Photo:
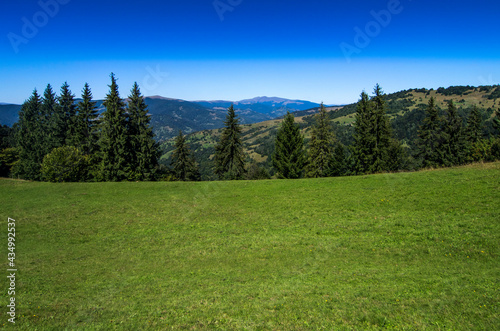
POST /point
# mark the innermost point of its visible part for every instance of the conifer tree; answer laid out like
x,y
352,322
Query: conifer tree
x,y
453,138
29,140
289,156
474,129
67,118
430,139
363,143
496,121
374,146
144,151
320,150
86,123
114,164
49,123
229,157
338,165
183,163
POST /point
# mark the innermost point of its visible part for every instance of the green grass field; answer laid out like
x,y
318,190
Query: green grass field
x,y
409,251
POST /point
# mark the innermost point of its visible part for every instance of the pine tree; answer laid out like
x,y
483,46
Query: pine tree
x,y
363,144
67,116
320,150
183,163
229,157
496,121
144,151
113,138
49,123
474,129
86,124
430,140
289,156
374,145
338,165
28,139
453,138
382,132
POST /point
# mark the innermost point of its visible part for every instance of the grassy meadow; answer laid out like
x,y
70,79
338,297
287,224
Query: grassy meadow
x,y
408,251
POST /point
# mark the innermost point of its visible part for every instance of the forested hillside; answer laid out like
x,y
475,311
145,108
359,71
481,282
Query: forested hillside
x,y
406,110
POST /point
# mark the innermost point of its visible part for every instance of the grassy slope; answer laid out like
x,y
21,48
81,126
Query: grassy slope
x,y
412,250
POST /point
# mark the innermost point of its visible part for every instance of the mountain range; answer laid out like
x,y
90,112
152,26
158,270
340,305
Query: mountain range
x,y
169,115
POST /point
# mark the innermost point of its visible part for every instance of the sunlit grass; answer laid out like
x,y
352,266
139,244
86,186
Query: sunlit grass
x,y
410,250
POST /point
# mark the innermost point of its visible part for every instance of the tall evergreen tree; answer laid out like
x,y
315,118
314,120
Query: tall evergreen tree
x,y
453,137
338,165
474,129
363,145
183,163
86,123
113,137
28,137
321,146
48,120
374,145
430,139
229,157
289,156
144,151
68,122
496,121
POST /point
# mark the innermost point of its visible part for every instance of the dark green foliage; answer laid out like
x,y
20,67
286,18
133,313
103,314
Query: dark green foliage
x,y
454,90
229,157
321,146
496,121
495,94
339,163
474,129
8,159
373,141
143,151
183,164
114,165
64,164
51,135
67,118
257,172
5,135
453,137
30,138
430,140
86,124
289,156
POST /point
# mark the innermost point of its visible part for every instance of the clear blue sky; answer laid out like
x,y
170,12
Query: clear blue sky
x,y
191,50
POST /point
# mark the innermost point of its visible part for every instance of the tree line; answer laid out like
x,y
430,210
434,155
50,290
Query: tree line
x,y
58,139
443,141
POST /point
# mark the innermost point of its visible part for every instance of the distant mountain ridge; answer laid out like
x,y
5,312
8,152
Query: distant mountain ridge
x,y
169,115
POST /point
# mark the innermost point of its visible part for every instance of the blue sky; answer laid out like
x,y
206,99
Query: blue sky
x,y
316,50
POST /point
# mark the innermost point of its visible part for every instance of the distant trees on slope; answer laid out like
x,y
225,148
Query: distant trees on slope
x,y
57,139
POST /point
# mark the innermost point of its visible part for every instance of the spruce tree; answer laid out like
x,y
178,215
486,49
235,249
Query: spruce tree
x,y
320,150
382,134
453,137
50,125
338,164
289,156
86,124
114,165
143,149
183,163
474,129
430,138
363,140
29,139
67,117
229,157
